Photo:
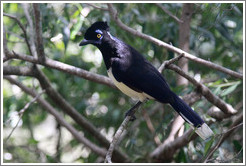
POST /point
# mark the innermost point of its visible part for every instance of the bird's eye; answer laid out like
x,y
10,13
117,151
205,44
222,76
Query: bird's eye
x,y
99,36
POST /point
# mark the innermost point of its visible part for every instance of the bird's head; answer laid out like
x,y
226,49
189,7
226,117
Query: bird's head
x,y
95,33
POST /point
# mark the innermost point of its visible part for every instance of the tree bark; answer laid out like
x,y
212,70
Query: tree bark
x,y
184,39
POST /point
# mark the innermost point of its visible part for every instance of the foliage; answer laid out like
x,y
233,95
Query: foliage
x,y
216,35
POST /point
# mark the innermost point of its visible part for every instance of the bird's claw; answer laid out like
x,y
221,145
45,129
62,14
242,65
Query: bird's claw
x,y
129,113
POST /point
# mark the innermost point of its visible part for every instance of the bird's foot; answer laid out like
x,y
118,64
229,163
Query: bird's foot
x,y
131,114
132,111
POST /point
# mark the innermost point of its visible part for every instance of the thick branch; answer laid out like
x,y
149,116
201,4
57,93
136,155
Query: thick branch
x,y
5,47
70,110
64,105
160,43
65,68
226,108
38,29
167,149
21,71
184,40
59,118
176,125
30,30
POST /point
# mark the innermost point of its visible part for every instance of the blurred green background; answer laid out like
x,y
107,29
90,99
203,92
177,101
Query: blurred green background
x,y
216,35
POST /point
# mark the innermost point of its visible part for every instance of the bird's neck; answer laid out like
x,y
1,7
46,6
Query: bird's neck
x,y
109,51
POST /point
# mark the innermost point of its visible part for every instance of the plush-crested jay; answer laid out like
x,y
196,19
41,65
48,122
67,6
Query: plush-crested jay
x,y
136,77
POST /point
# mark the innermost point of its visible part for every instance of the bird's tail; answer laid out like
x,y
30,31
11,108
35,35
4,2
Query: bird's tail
x,y
191,117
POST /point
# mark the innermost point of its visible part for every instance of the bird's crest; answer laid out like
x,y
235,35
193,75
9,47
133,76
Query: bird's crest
x,y
99,25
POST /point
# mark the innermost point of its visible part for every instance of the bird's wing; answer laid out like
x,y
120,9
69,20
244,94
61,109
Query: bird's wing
x,y
141,76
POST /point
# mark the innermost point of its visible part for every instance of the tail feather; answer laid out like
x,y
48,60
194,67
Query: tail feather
x,y
204,131
191,117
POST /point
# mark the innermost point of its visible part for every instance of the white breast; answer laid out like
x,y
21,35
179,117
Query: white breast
x,y
128,91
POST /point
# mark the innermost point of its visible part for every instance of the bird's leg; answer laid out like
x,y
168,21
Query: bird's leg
x,y
132,111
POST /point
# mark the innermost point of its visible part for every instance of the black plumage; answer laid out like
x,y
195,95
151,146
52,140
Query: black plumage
x,y
137,77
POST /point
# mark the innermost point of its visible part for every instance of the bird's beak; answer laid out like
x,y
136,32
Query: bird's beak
x,y
84,42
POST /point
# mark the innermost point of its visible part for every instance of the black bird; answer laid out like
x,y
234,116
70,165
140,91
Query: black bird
x,y
136,77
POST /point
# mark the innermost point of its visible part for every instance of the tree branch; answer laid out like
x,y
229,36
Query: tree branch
x,y
21,71
31,33
176,126
168,62
219,115
70,110
167,149
226,108
22,28
114,16
216,113
119,156
22,111
5,47
98,150
238,122
64,105
119,132
184,40
151,127
96,7
38,29
65,68
169,13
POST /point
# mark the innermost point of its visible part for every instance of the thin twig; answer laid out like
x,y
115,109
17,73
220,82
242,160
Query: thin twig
x,y
151,127
232,128
77,135
119,132
169,13
151,111
96,7
227,160
223,136
168,62
22,111
58,144
114,16
115,139
22,28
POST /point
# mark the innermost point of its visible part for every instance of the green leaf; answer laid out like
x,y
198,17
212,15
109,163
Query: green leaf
x,y
33,141
181,157
237,145
217,90
208,145
76,28
229,90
